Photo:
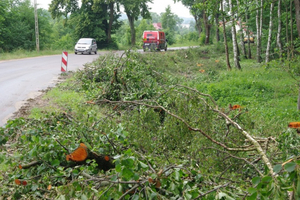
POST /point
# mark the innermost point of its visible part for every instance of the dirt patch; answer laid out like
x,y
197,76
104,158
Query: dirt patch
x,y
31,103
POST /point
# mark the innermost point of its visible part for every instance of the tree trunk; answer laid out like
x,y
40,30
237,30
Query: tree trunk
x,y
217,23
217,28
248,35
198,24
258,32
279,30
235,46
286,23
292,30
207,28
111,18
270,34
225,38
207,33
132,29
297,9
242,34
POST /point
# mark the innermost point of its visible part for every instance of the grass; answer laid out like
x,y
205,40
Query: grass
x,y
18,54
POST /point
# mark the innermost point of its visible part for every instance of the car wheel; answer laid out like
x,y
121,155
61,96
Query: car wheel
x,y
166,49
75,52
96,52
90,52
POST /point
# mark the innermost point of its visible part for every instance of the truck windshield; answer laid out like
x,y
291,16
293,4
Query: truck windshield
x,y
151,36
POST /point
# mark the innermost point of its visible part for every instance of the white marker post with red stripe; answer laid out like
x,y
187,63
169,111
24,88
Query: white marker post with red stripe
x,y
64,61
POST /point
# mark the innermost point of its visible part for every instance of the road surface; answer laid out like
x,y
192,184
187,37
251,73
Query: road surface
x,y
23,79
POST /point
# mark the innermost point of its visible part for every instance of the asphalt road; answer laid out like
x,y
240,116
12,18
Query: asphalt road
x,y
23,79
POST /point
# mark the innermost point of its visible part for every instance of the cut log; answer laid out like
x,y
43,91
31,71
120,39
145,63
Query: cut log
x,y
82,153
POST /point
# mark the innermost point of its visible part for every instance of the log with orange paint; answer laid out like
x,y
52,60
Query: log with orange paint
x,y
82,153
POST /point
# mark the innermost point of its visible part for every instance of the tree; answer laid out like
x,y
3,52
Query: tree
x,y
3,13
217,14
168,20
259,11
112,14
297,8
208,8
240,23
279,29
225,36
155,17
234,40
270,33
18,19
196,12
133,9
86,26
94,18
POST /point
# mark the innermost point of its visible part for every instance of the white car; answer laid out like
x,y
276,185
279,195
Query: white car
x,y
86,45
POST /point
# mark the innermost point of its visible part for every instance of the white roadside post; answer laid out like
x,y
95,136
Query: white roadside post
x,y
64,61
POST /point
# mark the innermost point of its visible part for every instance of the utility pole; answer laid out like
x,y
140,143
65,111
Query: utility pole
x,y
36,27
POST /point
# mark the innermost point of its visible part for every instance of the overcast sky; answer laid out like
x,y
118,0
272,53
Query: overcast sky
x,y
157,6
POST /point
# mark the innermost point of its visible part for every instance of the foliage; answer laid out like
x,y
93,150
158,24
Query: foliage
x,y
19,18
133,10
168,20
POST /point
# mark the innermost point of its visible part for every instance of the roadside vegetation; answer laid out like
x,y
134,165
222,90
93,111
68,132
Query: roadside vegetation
x,y
217,121
159,126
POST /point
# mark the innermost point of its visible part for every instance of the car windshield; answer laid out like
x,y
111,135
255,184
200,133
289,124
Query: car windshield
x,y
84,41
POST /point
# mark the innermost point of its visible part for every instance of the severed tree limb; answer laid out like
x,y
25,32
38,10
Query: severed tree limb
x,y
215,109
179,118
245,133
133,188
236,157
256,144
31,164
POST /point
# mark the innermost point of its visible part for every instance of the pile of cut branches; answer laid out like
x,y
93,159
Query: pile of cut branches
x,y
140,135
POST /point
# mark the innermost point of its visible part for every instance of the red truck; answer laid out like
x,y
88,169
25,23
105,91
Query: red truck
x,y
154,40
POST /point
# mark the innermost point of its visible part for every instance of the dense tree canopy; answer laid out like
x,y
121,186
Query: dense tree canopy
x,y
17,26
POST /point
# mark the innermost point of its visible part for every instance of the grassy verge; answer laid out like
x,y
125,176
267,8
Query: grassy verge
x,y
25,54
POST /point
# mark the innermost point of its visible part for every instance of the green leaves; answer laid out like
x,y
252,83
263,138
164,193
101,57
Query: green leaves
x,y
277,168
290,167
